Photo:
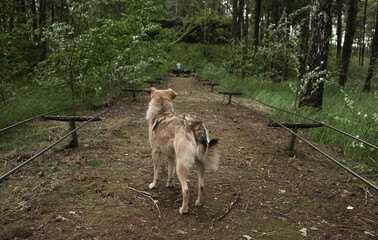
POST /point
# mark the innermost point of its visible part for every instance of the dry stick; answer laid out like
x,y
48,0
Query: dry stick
x,y
366,198
197,215
229,208
146,194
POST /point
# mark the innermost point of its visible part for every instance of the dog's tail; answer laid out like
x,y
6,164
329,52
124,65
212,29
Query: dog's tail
x,y
211,159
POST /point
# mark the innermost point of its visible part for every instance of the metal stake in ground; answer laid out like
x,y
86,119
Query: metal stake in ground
x,y
230,94
74,142
294,127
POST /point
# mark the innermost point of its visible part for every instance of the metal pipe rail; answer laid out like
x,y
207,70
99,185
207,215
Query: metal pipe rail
x,y
325,124
312,145
41,115
55,143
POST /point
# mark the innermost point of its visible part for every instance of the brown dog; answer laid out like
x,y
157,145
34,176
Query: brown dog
x,y
183,138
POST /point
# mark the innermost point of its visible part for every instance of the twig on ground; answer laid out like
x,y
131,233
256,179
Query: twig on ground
x,y
147,194
139,191
229,208
246,207
366,198
197,215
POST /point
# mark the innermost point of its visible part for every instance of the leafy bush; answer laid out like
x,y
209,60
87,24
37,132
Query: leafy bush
x,y
102,55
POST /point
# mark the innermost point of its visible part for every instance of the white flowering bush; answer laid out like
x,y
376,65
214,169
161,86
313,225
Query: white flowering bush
x,y
102,55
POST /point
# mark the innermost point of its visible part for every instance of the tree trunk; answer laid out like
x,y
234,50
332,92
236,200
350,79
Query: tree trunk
x,y
42,23
321,22
339,27
348,40
23,17
245,37
277,64
373,56
240,20
256,25
363,34
12,11
234,25
117,10
52,12
305,29
286,38
268,19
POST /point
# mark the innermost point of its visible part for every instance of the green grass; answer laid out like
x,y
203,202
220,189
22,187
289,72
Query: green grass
x,y
23,106
52,170
96,161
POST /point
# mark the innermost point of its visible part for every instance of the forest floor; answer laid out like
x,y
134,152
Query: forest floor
x,y
93,192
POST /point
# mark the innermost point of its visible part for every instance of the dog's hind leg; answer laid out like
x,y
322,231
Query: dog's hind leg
x,y
182,176
201,182
156,160
171,171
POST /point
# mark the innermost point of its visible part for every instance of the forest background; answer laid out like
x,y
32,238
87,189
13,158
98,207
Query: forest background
x,y
316,58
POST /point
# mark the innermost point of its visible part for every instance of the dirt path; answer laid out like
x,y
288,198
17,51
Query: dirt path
x,y
84,194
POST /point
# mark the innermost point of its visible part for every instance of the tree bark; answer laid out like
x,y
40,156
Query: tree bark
x,y
339,27
42,23
240,20
245,37
348,40
277,64
286,38
321,24
117,11
234,25
373,56
11,20
305,29
364,33
52,12
256,26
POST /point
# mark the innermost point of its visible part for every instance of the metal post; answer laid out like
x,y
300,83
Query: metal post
x,y
134,96
229,99
74,142
292,139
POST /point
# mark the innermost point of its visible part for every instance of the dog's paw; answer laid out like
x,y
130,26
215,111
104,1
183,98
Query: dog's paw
x,y
169,185
153,185
198,203
183,211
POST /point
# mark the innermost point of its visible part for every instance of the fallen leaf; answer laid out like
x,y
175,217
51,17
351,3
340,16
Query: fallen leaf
x,y
303,232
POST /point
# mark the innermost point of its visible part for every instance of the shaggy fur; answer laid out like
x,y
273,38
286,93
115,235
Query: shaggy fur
x,y
183,138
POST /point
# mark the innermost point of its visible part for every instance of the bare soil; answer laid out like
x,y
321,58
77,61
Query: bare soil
x,y
87,193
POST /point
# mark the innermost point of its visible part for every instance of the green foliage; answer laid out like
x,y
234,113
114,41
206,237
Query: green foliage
x,y
16,59
90,57
101,55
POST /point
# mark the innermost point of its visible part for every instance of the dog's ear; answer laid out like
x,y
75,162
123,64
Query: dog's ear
x,y
172,93
150,90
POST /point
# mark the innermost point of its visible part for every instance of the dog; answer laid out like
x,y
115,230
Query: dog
x,y
185,141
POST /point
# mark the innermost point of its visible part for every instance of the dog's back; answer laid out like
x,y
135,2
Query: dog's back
x,y
186,135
